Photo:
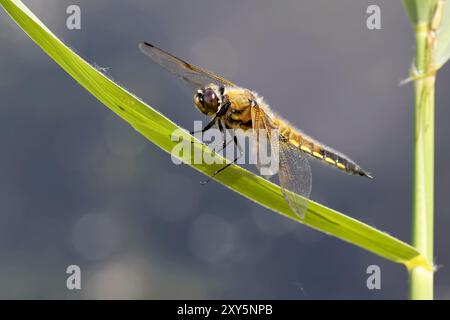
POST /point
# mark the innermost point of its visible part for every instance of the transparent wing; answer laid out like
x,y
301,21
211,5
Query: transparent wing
x,y
192,75
294,171
295,177
263,145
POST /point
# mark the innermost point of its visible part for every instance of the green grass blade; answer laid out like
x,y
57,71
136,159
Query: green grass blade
x,y
443,37
158,129
419,11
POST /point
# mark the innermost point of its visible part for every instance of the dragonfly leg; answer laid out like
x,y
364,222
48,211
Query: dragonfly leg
x,y
220,113
224,136
223,109
207,127
228,164
225,142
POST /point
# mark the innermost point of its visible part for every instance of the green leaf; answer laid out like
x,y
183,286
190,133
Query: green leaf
x,y
158,129
443,37
419,11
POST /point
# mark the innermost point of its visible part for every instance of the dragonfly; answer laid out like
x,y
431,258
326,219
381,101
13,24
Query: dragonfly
x,y
233,107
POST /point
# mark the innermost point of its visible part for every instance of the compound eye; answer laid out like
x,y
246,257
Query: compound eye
x,y
209,97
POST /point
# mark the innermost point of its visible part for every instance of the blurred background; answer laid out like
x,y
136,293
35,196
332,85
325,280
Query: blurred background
x,y
79,186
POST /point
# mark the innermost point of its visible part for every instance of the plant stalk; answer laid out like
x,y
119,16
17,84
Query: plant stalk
x,y
421,280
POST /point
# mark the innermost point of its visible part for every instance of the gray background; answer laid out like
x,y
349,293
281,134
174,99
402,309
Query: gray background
x,y
78,186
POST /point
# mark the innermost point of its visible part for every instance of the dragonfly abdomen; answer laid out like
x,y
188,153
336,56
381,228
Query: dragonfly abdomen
x,y
320,152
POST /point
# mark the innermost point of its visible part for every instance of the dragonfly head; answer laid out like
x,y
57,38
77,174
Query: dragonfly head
x,y
207,100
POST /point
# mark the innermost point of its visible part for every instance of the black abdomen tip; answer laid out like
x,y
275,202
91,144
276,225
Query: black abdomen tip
x,y
365,174
359,171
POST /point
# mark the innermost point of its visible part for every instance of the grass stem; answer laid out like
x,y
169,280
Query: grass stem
x,y
421,280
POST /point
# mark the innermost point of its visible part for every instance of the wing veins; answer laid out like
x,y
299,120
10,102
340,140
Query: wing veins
x,y
189,73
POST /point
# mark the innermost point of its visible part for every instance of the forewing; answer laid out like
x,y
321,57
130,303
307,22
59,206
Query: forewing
x,y
192,75
294,171
262,143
